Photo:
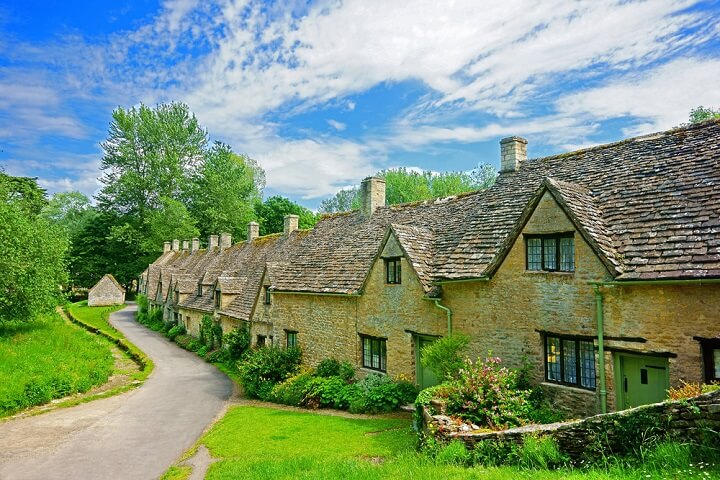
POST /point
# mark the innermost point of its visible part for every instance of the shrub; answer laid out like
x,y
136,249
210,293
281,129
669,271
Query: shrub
x,y
210,332
142,303
237,342
292,391
263,368
379,393
217,356
486,394
202,351
175,331
445,356
326,392
687,390
329,367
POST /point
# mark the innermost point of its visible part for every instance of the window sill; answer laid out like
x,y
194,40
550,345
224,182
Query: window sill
x,y
372,370
548,272
569,388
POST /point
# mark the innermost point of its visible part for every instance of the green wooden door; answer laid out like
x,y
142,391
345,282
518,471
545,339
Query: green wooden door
x,y
425,376
643,380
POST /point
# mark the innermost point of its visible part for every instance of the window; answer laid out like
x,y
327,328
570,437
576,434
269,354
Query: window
x,y
551,253
374,353
260,342
291,338
199,290
177,296
266,293
711,360
570,361
218,297
392,271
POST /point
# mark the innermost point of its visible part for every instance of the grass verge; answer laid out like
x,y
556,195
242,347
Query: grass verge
x,y
268,443
95,319
48,359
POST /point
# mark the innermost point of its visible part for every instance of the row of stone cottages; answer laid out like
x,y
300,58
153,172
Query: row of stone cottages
x,y
600,267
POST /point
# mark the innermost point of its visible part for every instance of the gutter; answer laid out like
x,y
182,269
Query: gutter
x,y
658,283
444,308
462,280
327,294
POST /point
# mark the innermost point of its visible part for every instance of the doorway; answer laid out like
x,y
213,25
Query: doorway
x,y
641,379
425,377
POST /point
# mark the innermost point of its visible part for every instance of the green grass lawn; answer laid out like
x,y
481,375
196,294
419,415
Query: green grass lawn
x,y
48,358
267,443
96,316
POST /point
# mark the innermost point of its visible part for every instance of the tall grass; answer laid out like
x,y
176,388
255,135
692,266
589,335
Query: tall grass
x,y
46,359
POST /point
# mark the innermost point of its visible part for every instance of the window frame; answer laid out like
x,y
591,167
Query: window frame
x,y
558,256
291,334
396,263
578,340
266,295
217,297
260,337
381,343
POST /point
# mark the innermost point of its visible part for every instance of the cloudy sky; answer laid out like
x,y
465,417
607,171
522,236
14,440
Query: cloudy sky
x,y
325,93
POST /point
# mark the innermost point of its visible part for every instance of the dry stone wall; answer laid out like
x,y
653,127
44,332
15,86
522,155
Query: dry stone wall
x,y
692,420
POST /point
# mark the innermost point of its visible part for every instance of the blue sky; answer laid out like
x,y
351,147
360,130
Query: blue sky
x,y
324,93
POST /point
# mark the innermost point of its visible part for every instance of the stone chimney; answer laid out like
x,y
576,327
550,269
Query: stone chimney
x,y
291,223
186,245
176,245
195,245
212,241
513,151
225,241
166,247
253,231
372,195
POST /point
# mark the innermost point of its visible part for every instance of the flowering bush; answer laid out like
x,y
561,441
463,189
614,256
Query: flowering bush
x,y
486,394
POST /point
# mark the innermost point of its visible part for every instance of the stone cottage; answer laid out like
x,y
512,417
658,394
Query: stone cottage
x,y
107,291
600,268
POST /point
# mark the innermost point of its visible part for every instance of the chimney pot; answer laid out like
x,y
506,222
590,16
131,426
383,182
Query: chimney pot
x,y
513,151
195,245
253,231
166,247
176,245
290,223
212,241
186,245
225,240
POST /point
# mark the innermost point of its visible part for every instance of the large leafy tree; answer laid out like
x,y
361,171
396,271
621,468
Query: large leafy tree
x,y
69,210
271,214
32,261
225,189
162,180
403,185
150,153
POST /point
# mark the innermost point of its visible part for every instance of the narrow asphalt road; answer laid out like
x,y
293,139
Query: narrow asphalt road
x,y
136,435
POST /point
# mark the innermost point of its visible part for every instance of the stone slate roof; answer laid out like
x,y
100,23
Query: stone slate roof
x,y
649,206
109,277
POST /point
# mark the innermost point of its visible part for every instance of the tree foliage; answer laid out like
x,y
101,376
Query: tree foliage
x,y
403,185
33,254
271,214
150,154
700,114
71,211
226,188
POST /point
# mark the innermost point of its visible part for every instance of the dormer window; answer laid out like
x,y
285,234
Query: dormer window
x,y
198,292
392,271
177,296
217,299
550,253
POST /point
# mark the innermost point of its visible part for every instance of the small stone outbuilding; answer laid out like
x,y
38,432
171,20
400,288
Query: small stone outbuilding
x,y
106,292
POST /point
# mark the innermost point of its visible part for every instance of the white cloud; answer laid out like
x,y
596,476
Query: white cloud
x,y
339,126
313,168
662,97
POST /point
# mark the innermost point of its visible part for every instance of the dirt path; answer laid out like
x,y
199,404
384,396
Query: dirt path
x,y
136,435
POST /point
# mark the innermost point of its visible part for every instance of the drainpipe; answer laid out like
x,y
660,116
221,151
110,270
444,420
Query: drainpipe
x,y
601,346
447,310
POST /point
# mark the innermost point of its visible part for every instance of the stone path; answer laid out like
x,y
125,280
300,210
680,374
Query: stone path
x,y
136,435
